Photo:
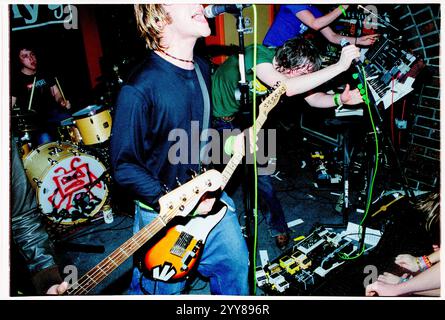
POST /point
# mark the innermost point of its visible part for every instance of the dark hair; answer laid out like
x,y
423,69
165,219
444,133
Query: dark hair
x,y
297,52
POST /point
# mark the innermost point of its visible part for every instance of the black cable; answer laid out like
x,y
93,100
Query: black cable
x,y
76,236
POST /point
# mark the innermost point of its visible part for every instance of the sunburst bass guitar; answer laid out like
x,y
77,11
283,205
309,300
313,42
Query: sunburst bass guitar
x,y
177,203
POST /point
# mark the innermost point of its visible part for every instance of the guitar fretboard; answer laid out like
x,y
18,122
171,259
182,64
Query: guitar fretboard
x,y
237,157
93,277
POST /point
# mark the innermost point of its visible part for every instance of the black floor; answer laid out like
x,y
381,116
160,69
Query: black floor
x,y
301,199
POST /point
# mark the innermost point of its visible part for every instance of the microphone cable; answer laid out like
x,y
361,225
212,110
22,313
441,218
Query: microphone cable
x,y
255,169
342,255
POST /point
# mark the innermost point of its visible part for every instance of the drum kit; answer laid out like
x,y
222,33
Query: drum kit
x,y
71,175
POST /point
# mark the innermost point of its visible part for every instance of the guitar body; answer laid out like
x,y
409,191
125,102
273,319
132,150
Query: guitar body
x,y
174,256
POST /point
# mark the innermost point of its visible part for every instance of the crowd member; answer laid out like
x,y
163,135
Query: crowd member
x,y
423,273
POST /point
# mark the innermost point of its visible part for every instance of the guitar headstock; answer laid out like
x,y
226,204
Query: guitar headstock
x,y
182,200
272,99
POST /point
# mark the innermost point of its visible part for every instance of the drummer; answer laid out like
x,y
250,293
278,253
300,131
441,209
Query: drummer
x,y
34,94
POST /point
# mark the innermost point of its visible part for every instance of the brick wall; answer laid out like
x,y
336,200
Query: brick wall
x,y
420,154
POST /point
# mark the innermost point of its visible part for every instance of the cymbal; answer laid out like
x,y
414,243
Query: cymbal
x,y
26,128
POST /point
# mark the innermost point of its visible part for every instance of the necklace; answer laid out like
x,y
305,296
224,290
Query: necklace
x,y
183,60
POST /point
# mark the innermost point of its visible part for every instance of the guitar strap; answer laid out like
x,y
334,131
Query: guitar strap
x,y
205,117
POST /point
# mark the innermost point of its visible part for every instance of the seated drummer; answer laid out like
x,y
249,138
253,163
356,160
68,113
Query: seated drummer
x,y
33,95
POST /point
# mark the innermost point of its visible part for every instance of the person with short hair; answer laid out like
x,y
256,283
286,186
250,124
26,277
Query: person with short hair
x,y
33,94
164,94
296,64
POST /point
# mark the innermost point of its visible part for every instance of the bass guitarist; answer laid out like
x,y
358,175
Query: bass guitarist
x,y
164,95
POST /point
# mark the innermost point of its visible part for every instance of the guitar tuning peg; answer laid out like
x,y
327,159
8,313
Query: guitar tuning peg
x,y
165,189
178,182
191,173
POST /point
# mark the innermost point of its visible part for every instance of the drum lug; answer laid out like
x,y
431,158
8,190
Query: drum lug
x,y
37,182
52,162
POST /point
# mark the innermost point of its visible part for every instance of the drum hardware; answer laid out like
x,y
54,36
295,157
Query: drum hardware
x,y
68,131
37,182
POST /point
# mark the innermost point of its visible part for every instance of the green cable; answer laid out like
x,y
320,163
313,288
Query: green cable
x,y
255,41
371,186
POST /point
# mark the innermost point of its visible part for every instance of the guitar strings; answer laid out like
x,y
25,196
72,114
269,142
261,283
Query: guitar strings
x,y
115,258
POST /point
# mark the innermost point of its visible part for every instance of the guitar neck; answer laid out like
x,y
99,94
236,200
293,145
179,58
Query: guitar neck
x,y
237,158
93,277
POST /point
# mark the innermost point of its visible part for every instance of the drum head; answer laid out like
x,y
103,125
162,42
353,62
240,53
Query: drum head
x,y
86,112
72,190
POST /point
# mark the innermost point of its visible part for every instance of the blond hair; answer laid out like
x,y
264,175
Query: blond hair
x,y
150,19
430,206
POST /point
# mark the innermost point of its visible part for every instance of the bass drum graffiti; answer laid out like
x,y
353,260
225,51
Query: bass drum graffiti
x,y
70,184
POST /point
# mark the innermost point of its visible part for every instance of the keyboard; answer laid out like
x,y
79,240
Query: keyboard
x,y
386,67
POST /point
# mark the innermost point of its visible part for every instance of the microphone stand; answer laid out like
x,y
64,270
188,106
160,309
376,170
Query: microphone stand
x,y
248,170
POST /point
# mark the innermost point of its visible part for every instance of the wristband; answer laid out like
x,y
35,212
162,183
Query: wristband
x,y
337,100
421,263
228,145
342,10
427,262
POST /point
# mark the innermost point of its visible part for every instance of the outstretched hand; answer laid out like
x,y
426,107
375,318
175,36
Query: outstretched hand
x,y
351,97
367,40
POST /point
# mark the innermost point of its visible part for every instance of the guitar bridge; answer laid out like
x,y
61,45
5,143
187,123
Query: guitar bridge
x,y
181,244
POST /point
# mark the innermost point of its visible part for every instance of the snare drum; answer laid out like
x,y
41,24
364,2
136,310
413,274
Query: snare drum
x,y
68,131
69,183
94,124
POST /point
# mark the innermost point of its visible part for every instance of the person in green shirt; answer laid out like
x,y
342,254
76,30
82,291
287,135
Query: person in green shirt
x,y
297,64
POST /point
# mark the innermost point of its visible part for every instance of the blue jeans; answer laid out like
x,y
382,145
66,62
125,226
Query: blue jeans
x,y
275,214
225,258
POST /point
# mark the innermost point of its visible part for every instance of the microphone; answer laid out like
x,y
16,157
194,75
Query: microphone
x,y
213,10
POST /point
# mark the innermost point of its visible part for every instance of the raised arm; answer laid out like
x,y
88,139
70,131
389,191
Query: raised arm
x,y
336,38
319,23
297,85
324,100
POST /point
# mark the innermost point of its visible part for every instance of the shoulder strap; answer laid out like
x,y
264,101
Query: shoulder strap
x,y
206,113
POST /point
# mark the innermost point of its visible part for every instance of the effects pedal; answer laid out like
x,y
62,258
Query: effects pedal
x,y
311,242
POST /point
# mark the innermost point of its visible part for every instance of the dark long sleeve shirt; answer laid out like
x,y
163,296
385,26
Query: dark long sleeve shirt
x,y
159,100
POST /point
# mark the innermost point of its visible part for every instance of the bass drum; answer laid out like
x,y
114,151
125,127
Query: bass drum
x,y
69,183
